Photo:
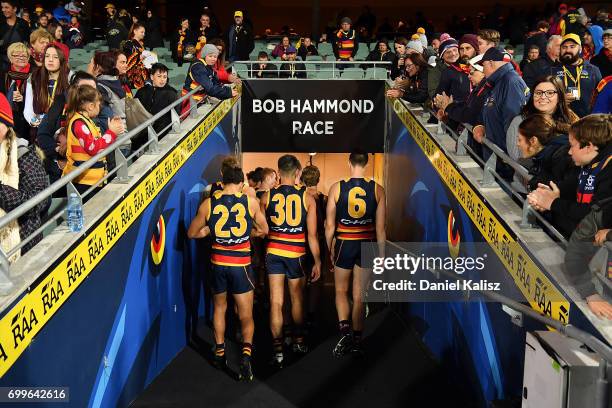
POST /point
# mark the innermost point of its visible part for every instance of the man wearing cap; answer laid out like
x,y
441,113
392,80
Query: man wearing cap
x,y
202,73
603,60
579,77
116,32
13,29
291,68
508,95
345,42
454,81
240,39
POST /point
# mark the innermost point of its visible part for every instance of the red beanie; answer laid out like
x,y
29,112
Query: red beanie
x,y
6,112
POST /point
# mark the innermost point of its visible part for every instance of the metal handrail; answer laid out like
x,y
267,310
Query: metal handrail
x,y
322,66
527,209
595,344
65,180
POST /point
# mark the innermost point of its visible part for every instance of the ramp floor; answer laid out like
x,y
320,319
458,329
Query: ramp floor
x,y
396,371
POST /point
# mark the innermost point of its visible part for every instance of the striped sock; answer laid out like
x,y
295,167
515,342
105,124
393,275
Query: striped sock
x,y
220,350
247,349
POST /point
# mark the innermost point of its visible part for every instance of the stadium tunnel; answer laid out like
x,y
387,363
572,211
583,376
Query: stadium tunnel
x,y
117,313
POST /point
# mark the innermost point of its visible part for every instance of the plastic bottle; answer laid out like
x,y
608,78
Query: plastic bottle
x,y
74,213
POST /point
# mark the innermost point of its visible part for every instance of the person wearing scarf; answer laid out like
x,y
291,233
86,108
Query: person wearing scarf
x,y
133,48
39,40
182,39
592,42
603,60
13,84
22,176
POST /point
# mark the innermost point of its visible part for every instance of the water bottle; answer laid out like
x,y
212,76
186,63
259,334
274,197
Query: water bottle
x,y
74,213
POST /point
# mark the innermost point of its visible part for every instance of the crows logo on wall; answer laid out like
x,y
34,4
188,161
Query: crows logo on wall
x,y
158,241
454,235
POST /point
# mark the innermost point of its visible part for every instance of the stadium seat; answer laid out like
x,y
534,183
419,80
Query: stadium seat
x,y
314,58
327,74
242,70
325,49
376,73
352,73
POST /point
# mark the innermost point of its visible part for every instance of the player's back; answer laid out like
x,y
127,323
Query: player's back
x,y
230,220
286,215
356,209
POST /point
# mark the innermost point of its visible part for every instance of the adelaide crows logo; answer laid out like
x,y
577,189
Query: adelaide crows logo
x,y
158,241
454,236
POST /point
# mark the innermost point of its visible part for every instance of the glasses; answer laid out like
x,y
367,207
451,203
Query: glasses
x,y
19,56
544,94
408,66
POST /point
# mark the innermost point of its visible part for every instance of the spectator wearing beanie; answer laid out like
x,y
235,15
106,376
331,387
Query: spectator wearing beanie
x,y
345,42
603,60
202,73
22,176
468,47
422,37
415,45
454,81
433,79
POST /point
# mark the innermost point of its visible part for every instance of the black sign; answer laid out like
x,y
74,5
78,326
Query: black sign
x,y
306,116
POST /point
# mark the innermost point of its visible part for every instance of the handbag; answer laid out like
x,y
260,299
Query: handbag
x,y
135,113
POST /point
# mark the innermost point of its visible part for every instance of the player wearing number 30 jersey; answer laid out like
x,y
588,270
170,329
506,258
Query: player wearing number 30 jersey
x,y
229,217
355,215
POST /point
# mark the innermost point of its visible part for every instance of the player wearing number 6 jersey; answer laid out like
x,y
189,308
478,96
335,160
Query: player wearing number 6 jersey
x,y
355,215
289,210
229,216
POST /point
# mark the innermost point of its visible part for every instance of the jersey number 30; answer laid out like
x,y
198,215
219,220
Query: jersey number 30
x,y
291,212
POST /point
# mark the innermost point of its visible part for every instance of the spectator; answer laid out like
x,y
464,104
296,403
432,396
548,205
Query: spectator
x,y
25,16
39,40
603,96
556,21
291,68
590,142
202,73
241,40
13,84
38,13
507,97
207,29
42,87
543,65
470,110
51,135
116,32
21,178
57,32
468,48
182,42
592,42
381,52
532,55
103,66
454,81
264,69
125,18
224,76
539,141
602,19
603,60
422,37
42,22
13,29
413,86
579,77
122,73
155,97
133,48
345,41
401,51
280,51
307,48
537,38
414,45
548,99
572,22
84,139
153,29
487,39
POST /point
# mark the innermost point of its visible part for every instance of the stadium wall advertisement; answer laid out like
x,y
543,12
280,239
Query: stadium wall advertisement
x,y
433,202
312,116
126,291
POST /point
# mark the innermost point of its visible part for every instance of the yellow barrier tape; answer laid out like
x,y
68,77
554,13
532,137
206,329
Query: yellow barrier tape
x,y
21,324
535,286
